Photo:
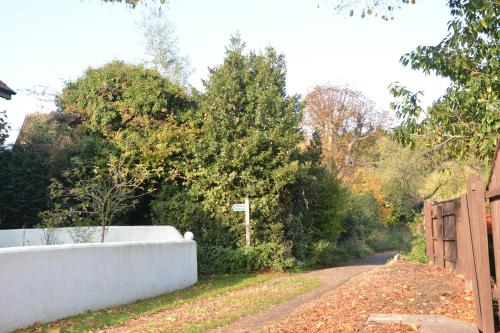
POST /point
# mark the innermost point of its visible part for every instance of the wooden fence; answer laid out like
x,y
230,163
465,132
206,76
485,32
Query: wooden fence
x,y
457,239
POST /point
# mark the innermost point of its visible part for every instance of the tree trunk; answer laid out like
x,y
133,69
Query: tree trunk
x,y
103,233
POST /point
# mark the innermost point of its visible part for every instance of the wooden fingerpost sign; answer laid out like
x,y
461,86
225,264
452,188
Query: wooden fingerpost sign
x,y
245,207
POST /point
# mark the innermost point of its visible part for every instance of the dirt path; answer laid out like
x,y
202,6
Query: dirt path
x,y
331,278
398,297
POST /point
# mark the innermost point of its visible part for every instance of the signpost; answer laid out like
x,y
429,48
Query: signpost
x,y
239,207
245,207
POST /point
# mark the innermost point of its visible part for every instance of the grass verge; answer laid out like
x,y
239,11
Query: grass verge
x,y
212,302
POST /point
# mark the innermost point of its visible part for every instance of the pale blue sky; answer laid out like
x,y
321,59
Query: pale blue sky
x,y
47,42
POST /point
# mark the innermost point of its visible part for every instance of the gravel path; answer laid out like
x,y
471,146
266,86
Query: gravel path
x,y
331,278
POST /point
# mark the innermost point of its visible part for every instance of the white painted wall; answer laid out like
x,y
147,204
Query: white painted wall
x,y
29,237
49,282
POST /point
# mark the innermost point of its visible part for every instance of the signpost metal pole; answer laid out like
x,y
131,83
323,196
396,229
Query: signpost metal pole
x,y
247,221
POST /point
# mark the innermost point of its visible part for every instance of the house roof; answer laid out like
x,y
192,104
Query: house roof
x,y
31,121
5,90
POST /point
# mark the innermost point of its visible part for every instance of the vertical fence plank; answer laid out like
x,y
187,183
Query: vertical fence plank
x,y
495,229
470,272
460,246
479,238
465,245
429,243
495,226
438,223
494,186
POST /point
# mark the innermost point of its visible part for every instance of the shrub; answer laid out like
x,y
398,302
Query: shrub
x,y
268,256
323,253
353,249
417,252
326,254
385,239
223,260
417,249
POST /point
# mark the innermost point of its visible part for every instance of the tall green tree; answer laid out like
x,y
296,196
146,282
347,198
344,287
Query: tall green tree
x,y
249,147
25,171
465,121
318,202
25,174
44,149
250,131
133,113
4,128
143,114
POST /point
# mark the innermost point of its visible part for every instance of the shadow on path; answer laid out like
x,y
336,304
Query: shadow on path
x,y
330,278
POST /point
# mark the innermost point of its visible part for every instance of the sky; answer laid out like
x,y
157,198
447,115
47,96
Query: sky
x,y
47,43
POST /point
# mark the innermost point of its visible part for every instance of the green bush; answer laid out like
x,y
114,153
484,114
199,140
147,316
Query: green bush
x,y
385,239
417,252
326,254
269,256
417,249
265,256
353,249
378,240
323,253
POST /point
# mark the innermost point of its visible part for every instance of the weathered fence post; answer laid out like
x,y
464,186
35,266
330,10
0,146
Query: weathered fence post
x,y
493,194
438,235
429,242
464,242
479,239
471,272
495,230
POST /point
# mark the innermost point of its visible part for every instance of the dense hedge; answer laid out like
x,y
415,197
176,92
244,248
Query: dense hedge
x,y
221,260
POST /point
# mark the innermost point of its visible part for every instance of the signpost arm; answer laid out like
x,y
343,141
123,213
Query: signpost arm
x,y
247,221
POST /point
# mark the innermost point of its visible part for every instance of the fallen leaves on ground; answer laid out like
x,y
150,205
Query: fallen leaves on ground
x,y
199,315
402,287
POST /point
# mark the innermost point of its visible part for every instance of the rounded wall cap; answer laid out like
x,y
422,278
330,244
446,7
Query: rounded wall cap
x,y
189,235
